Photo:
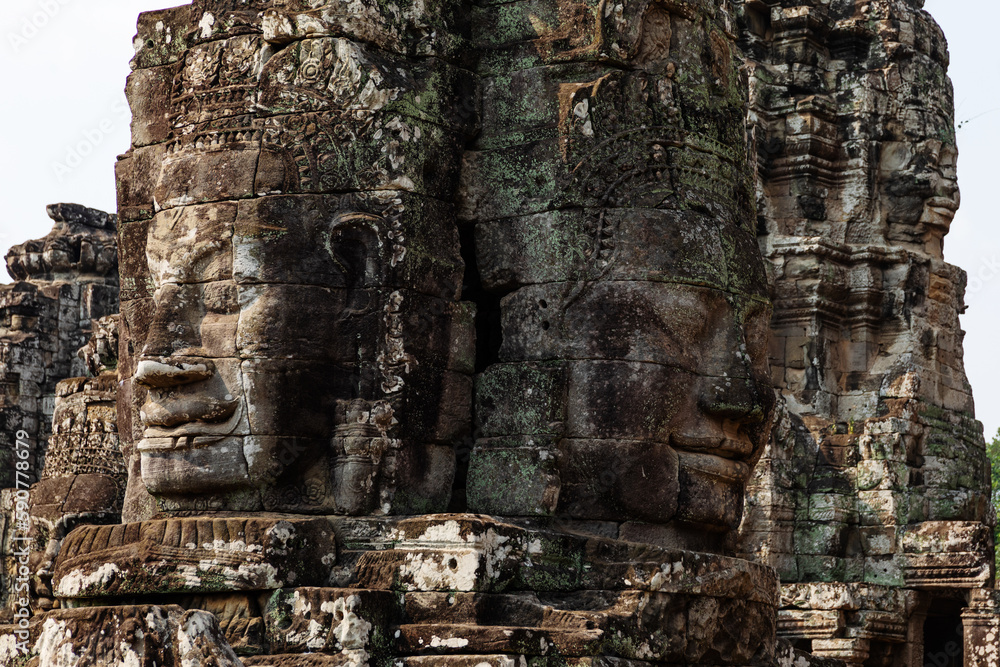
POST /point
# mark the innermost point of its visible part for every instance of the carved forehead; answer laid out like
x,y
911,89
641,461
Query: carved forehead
x,y
664,246
191,244
700,330
373,240
378,239
257,242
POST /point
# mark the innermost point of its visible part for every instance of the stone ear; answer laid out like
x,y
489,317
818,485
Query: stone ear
x,y
360,247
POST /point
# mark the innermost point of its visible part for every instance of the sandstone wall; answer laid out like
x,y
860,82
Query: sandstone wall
x,y
872,499
62,283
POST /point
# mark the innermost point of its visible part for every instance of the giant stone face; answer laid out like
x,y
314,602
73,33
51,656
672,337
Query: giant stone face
x,y
303,345
243,375
297,343
614,217
272,327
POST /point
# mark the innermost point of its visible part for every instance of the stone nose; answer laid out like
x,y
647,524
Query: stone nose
x,y
160,374
946,193
737,399
175,327
735,393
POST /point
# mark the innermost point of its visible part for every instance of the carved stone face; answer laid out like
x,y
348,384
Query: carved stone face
x,y
271,358
660,395
303,340
918,184
301,347
632,379
243,370
689,386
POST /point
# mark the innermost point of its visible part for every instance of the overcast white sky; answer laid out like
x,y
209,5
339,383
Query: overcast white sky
x,y
65,63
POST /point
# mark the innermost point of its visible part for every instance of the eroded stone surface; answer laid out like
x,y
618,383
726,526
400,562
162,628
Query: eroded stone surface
x,y
164,636
84,478
63,283
445,585
871,498
296,340
613,213
193,555
463,584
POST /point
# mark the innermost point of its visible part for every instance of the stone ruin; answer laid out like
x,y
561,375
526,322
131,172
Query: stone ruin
x,y
871,500
61,284
83,480
461,336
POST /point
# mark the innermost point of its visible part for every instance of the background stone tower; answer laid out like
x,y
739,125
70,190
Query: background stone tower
x,y
872,498
62,283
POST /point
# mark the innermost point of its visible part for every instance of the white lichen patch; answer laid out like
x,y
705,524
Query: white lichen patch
x,y
191,575
264,573
666,578
280,534
435,570
497,551
75,583
157,622
449,532
352,631
237,546
315,635
450,642
442,558
129,657
55,645
206,23
8,649
355,658
276,26
199,639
